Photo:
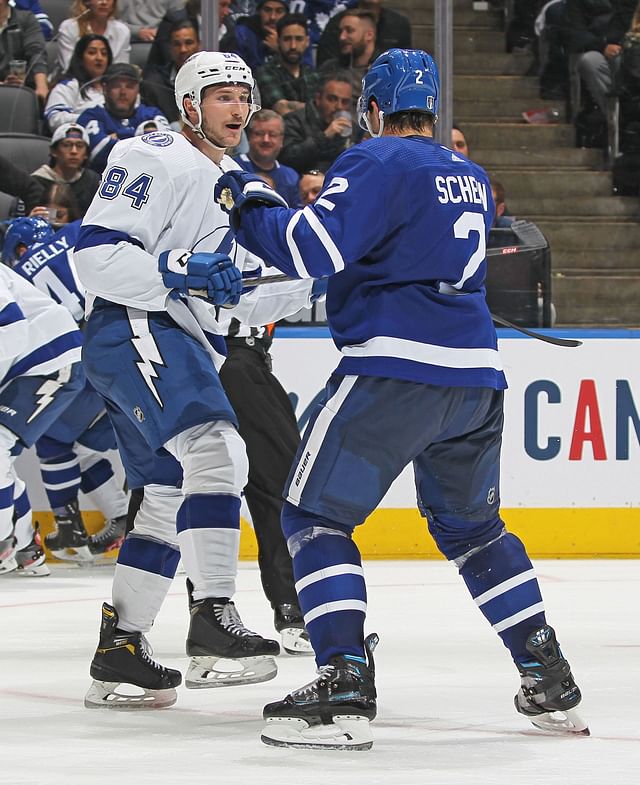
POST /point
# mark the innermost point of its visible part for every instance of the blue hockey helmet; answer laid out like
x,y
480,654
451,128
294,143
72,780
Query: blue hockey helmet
x,y
24,231
400,80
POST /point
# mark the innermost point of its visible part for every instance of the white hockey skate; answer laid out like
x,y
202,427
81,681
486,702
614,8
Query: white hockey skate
x,y
289,623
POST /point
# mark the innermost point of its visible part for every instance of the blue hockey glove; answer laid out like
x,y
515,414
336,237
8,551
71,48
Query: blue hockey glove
x,y
237,189
212,276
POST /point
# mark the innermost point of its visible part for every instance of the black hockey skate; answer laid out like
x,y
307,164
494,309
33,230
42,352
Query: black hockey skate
x,y
69,541
223,651
288,621
124,658
332,712
30,560
548,695
104,544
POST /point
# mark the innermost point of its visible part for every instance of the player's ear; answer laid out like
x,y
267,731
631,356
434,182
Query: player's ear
x,y
187,103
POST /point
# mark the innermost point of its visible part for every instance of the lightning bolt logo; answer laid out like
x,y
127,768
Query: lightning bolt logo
x,y
44,396
149,353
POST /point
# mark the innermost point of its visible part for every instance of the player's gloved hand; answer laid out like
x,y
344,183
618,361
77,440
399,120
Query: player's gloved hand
x,y
237,189
212,276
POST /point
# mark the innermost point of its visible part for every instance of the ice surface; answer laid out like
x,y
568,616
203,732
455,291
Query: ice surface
x,y
445,683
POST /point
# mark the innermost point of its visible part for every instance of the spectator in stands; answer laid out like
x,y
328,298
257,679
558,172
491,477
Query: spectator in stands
x,y
393,29
319,12
60,207
81,86
159,80
160,54
502,220
357,43
459,141
67,165
599,38
121,115
40,15
313,136
265,134
310,185
93,16
17,182
286,83
22,39
143,18
552,54
255,37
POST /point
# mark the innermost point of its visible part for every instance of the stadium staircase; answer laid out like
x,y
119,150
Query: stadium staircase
x,y
594,236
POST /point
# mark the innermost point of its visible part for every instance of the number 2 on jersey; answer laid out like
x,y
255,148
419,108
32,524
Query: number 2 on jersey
x,y
137,190
467,223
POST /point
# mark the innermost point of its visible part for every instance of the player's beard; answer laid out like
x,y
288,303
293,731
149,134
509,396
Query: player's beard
x,y
221,144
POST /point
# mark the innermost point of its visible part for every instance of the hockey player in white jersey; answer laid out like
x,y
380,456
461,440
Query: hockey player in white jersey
x,y
40,376
154,253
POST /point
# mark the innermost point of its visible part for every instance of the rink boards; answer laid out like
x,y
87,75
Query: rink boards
x,y
571,456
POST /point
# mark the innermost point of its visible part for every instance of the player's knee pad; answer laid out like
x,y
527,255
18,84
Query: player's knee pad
x,y
300,528
156,517
456,537
213,459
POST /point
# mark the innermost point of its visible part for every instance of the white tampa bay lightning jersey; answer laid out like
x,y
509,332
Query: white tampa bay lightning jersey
x,y
157,195
37,336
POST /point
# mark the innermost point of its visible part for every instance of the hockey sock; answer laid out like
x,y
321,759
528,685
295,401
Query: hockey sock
x,y
22,516
143,575
61,478
99,483
503,584
330,583
6,511
208,526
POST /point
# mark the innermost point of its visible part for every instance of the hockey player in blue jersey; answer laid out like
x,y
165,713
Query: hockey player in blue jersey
x,y
154,254
72,452
40,376
400,227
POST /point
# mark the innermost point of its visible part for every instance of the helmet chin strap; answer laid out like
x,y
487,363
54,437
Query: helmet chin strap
x,y
381,126
197,129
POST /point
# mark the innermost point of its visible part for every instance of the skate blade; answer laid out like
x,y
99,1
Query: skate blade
x,y
206,672
346,732
34,571
121,696
561,722
294,643
8,565
81,555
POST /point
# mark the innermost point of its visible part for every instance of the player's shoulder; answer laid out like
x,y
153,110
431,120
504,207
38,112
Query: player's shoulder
x,y
161,150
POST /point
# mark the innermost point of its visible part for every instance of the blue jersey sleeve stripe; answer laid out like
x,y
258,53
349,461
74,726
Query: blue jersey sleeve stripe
x,y
11,314
296,256
91,236
42,354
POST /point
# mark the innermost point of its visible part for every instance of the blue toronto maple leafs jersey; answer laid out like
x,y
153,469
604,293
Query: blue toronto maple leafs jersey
x,y
101,125
401,227
50,267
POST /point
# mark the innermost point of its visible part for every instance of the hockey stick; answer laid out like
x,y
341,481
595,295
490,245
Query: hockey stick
x,y
570,343
566,342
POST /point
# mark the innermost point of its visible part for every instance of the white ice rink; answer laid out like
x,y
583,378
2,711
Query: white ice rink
x,y
445,683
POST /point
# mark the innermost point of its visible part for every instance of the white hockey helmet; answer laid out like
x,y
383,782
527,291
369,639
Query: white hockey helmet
x,y
205,69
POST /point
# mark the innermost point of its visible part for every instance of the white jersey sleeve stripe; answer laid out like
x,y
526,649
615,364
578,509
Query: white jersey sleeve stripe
x,y
327,243
293,248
